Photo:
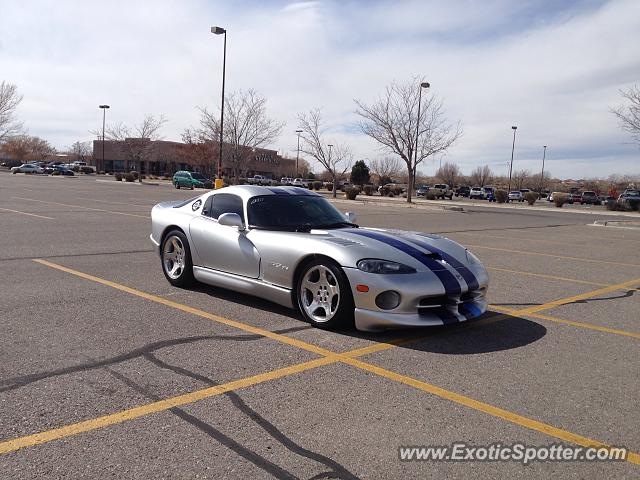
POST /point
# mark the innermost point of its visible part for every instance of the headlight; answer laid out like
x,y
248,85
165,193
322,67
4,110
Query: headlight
x,y
374,265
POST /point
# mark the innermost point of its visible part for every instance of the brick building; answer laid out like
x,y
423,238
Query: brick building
x,y
160,157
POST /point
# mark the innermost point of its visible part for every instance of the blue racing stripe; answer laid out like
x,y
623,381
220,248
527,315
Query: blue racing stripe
x,y
450,283
467,274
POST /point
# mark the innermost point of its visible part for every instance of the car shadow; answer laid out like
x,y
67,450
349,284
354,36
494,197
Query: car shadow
x,y
492,332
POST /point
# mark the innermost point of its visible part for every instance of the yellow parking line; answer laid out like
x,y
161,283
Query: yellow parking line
x,y
49,202
583,296
155,407
554,277
588,326
563,257
329,357
486,408
26,213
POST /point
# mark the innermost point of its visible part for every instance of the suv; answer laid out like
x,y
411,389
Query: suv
x,y
191,180
590,198
516,195
286,180
463,191
442,190
476,192
258,180
488,193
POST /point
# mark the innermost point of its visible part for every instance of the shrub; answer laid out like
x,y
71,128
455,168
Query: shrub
x,y
531,197
87,170
276,184
559,199
118,176
351,192
130,177
634,205
135,175
368,190
330,186
317,185
144,177
501,196
430,195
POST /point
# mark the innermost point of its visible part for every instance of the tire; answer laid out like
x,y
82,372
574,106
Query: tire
x,y
177,185
192,187
323,283
175,258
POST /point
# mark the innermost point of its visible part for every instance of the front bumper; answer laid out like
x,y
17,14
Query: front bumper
x,y
424,301
156,245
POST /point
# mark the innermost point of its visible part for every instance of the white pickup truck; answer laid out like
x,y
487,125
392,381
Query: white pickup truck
x,y
258,180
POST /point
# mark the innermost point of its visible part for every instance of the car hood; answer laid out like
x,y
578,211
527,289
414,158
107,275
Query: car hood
x,y
422,251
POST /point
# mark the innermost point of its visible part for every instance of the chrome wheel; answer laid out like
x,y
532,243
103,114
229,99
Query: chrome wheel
x,y
173,257
319,293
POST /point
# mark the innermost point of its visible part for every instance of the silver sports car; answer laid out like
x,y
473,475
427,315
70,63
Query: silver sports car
x,y
291,246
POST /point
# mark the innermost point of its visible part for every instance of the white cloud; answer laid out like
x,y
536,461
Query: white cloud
x,y
554,73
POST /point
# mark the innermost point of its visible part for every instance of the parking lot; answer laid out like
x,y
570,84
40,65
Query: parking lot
x,y
106,370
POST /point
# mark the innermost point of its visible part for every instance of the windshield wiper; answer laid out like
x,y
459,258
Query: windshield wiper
x,y
335,225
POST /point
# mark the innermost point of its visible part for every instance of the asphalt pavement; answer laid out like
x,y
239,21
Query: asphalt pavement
x,y
106,370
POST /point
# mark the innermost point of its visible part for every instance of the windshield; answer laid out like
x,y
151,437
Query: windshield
x,y
635,193
197,176
293,213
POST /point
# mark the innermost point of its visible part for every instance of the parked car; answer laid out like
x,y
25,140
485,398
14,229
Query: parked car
x,y
607,199
258,180
412,279
299,182
590,198
191,180
524,190
422,190
286,180
463,192
629,195
476,193
63,171
27,168
443,191
574,197
516,196
489,193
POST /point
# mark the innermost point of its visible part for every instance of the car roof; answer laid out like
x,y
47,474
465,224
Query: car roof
x,y
248,191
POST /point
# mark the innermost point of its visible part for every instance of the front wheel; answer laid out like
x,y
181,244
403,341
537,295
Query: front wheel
x,y
324,295
177,185
176,259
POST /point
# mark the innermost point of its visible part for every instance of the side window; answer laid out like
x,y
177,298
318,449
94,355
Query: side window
x,y
225,203
207,206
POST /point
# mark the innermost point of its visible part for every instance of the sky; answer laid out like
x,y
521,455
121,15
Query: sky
x,y
553,68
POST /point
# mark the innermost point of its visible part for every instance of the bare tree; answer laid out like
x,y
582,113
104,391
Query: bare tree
x,y
481,175
520,177
199,151
336,159
629,115
393,121
137,141
448,173
9,101
80,151
384,168
26,147
246,127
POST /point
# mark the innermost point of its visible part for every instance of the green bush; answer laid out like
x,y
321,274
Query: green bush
x,y
130,177
351,192
430,195
135,174
118,176
531,197
317,185
368,190
330,186
501,196
559,199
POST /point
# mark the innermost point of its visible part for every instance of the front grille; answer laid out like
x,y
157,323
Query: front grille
x,y
442,305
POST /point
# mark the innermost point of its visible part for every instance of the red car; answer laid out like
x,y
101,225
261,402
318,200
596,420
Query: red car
x,y
574,197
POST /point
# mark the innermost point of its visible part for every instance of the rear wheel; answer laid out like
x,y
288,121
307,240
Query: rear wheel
x,y
176,259
324,295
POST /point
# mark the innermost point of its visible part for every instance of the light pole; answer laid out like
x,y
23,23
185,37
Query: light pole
x,y
413,180
221,31
514,128
104,117
298,154
544,154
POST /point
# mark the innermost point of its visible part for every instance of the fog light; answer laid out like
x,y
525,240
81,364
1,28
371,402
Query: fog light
x,y
388,300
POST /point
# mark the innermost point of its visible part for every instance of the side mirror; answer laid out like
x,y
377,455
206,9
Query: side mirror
x,y
351,216
231,220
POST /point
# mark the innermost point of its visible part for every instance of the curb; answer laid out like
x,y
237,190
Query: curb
x,y
628,225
